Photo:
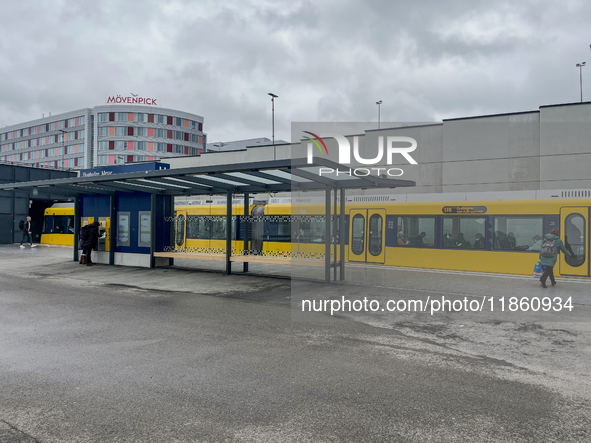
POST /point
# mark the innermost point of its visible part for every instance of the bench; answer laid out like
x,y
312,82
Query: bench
x,y
247,258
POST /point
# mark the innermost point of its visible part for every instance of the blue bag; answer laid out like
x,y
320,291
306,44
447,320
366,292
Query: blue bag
x,y
538,270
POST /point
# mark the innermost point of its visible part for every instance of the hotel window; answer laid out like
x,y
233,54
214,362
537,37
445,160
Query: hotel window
x,y
178,135
103,131
103,146
160,147
70,149
121,116
81,134
103,160
42,153
60,151
140,158
81,120
120,130
41,129
120,146
178,121
34,130
141,131
71,122
161,119
141,117
81,148
179,149
61,124
104,117
140,146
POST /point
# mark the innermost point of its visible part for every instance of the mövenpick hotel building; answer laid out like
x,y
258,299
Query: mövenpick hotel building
x,y
103,135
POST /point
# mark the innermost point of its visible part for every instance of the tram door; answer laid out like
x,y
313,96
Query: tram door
x,y
180,229
366,235
574,232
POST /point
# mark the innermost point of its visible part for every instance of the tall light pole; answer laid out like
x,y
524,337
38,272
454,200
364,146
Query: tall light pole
x,y
273,97
379,104
580,66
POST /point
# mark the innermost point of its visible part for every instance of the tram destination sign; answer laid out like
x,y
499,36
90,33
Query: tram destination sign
x,y
464,209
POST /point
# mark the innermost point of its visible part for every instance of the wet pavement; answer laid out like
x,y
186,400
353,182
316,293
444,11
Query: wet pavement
x,y
186,354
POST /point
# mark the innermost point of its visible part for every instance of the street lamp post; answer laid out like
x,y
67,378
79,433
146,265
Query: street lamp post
x,y
580,66
379,104
273,97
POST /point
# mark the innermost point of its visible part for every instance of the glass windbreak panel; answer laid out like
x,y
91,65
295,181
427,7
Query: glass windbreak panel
x,y
375,235
218,228
418,232
311,228
464,232
575,239
358,234
180,230
518,233
198,227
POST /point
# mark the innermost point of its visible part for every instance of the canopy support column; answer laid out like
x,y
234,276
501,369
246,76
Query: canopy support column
x,y
327,235
113,230
342,233
76,226
246,229
228,232
152,230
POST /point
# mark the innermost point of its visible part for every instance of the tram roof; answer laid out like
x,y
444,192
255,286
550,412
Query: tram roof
x,y
256,177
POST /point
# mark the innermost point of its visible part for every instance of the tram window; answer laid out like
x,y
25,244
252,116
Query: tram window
x,y
46,224
63,224
413,231
574,239
375,234
464,232
358,234
515,233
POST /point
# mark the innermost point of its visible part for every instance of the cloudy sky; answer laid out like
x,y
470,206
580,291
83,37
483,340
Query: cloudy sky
x,y
327,60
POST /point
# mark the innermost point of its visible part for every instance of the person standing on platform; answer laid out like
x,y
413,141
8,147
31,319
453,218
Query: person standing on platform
x,y
25,226
89,236
549,254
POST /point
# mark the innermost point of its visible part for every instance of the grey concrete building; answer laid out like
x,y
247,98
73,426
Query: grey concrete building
x,y
544,149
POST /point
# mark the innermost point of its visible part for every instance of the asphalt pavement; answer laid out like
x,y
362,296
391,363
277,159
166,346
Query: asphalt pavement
x,y
94,354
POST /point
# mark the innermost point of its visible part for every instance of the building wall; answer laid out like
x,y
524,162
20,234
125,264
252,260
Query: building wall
x,y
41,143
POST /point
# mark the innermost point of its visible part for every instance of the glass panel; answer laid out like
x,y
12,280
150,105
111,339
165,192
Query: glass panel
x,y
464,232
418,232
375,235
574,239
358,234
197,227
518,233
180,230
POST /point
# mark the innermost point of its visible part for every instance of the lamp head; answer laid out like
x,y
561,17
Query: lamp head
x,y
272,95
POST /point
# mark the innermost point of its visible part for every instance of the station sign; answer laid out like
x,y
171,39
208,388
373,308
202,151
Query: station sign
x,y
123,169
464,209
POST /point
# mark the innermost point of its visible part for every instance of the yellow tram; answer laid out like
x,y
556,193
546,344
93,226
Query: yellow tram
x,y
497,236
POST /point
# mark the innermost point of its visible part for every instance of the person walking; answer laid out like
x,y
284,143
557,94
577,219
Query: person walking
x,y
89,235
549,254
25,226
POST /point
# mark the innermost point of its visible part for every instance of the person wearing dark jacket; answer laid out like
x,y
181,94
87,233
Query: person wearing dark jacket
x,y
89,235
549,262
26,228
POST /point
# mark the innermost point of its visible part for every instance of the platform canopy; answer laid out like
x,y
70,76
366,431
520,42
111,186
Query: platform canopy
x,y
256,177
